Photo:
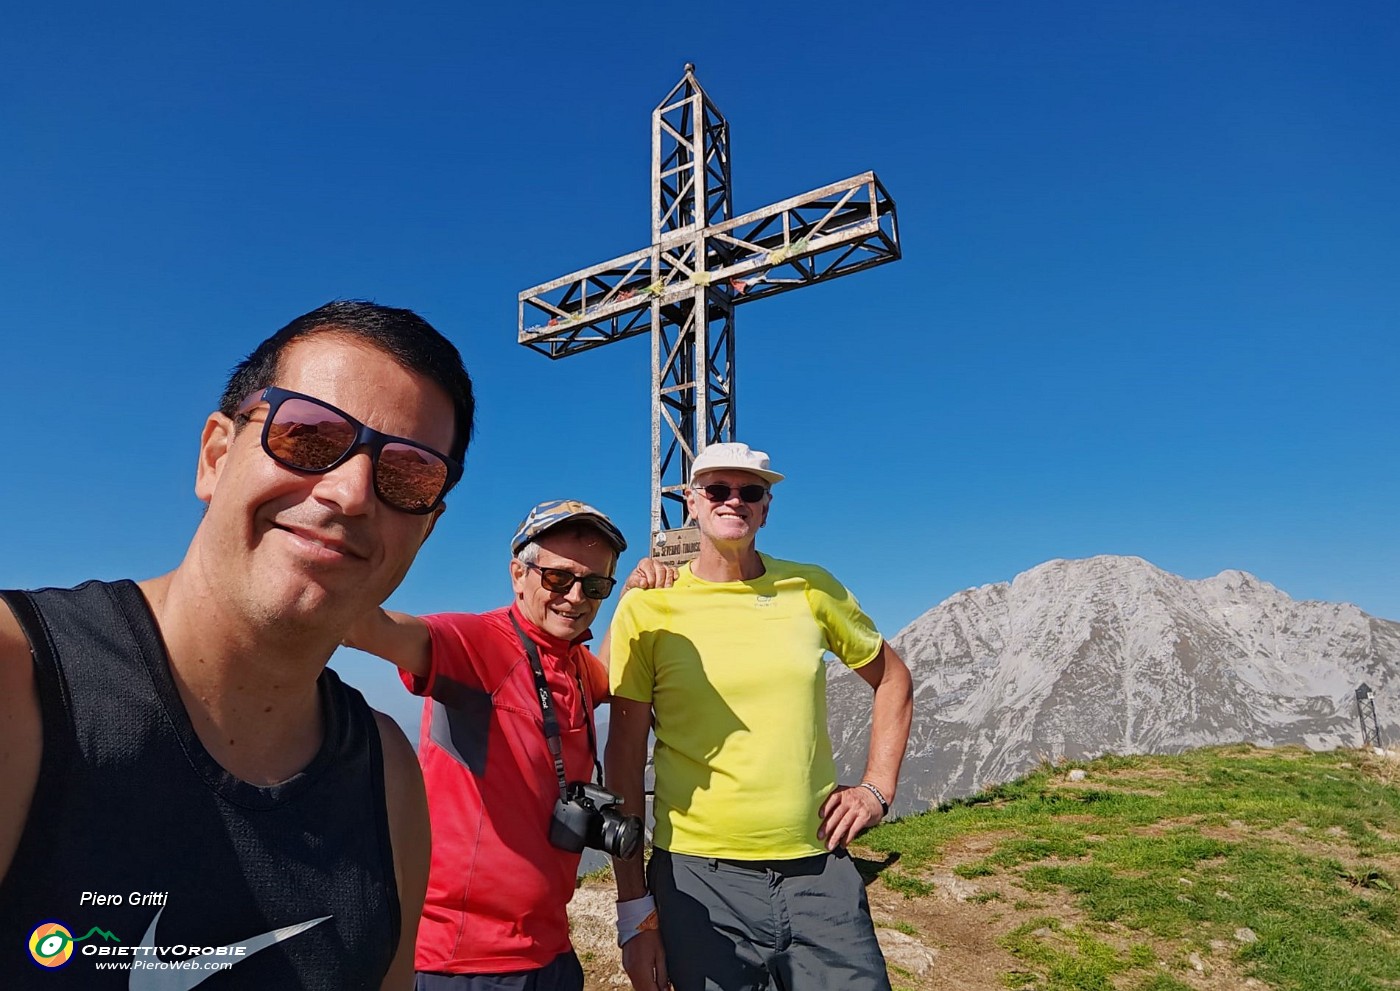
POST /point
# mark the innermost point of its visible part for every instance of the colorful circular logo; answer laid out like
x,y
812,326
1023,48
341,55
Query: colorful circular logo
x,y
51,944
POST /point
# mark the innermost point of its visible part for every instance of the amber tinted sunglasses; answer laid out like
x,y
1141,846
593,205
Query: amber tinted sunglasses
x,y
559,581
306,434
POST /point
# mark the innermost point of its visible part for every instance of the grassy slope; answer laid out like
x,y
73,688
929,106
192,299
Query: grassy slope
x,y
1220,868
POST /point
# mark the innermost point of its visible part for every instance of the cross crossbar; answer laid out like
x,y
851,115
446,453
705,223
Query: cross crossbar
x,y
774,249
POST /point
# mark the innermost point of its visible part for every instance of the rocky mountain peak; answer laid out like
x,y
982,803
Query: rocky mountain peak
x,y
1076,658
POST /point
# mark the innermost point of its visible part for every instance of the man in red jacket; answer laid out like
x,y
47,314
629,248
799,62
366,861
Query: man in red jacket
x,y
495,917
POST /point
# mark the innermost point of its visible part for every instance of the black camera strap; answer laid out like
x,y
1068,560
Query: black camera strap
x,y
552,736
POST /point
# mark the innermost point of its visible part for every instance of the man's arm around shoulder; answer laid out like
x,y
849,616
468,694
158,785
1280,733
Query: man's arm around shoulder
x,y
399,638
410,837
649,573
21,735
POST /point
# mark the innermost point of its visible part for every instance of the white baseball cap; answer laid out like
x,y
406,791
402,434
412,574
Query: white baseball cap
x,y
737,456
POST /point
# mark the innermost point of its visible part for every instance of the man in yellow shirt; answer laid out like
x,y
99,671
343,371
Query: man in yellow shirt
x,y
750,885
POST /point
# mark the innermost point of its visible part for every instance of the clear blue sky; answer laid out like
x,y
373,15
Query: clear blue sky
x,y
1148,303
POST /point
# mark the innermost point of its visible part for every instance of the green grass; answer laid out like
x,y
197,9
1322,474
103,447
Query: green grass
x,y
907,884
1072,959
902,927
1302,848
598,876
1161,982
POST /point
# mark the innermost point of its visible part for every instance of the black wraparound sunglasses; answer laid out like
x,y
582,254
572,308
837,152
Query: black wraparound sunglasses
x,y
719,492
305,434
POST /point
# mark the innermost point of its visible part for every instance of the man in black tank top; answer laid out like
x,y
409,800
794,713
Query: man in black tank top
x,y
188,796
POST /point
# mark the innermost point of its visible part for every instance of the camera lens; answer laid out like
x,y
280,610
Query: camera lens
x,y
622,834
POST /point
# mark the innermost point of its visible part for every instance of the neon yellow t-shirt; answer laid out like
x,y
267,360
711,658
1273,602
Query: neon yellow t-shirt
x,y
735,675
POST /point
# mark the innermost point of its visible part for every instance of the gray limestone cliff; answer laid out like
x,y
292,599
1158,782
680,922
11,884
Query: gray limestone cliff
x,y
1114,655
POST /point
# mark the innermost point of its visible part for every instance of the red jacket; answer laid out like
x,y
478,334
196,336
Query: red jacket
x,y
497,889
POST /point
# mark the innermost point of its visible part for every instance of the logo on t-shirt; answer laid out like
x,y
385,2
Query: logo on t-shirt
x,y
763,601
202,963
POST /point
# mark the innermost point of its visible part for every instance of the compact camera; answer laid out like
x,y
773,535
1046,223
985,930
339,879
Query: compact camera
x,y
588,816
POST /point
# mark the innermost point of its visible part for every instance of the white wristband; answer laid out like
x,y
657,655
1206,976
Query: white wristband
x,y
635,917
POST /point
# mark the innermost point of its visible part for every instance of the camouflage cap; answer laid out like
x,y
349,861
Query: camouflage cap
x,y
556,511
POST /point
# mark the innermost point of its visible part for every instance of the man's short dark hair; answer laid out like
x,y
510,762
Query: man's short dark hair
x,y
402,334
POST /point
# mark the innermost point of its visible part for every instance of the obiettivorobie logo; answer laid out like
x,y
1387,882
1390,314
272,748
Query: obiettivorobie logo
x,y
51,946
51,943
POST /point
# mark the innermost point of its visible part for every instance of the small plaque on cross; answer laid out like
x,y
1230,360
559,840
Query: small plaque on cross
x,y
676,547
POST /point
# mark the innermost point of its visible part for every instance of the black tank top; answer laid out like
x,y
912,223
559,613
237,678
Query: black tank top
x,y
135,831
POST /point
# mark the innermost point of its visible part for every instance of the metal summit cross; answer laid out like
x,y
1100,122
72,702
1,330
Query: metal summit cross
x,y
702,262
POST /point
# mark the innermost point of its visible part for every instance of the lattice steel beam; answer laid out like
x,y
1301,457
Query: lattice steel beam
x,y
703,262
